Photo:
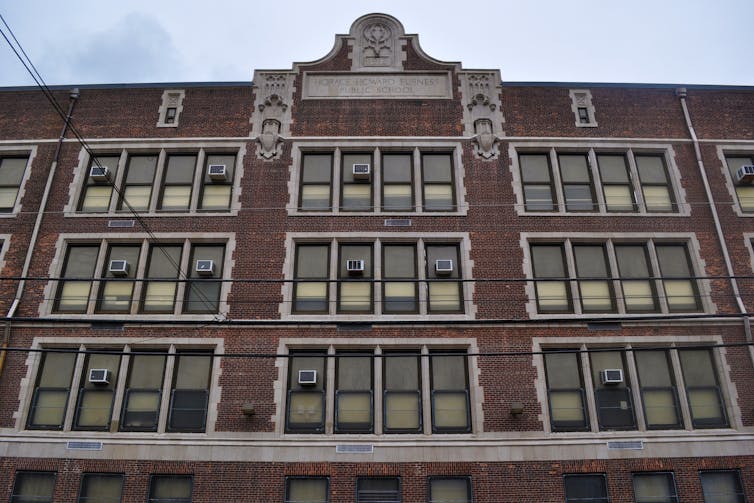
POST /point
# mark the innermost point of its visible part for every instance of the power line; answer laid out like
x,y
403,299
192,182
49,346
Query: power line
x,y
31,69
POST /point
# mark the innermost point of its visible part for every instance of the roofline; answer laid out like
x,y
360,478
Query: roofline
x,y
137,85
248,83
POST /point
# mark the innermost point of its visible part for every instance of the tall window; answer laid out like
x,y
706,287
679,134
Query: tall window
x,y
121,263
655,184
744,191
312,263
354,272
565,390
536,174
202,294
353,396
402,400
378,490
50,400
654,488
97,392
143,394
178,183
577,182
164,264
316,182
101,488
443,266
437,175
216,189
702,389
397,182
170,489
658,384
306,392
638,265
356,189
449,490
616,182
722,486
98,189
12,171
399,262
306,490
615,410
33,487
450,393
586,488
189,396
136,192
73,291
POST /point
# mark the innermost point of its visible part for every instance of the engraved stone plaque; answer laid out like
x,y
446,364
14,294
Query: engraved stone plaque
x,y
381,85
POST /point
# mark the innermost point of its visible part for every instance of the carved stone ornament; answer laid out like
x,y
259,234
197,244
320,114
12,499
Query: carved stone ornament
x,y
269,140
273,106
485,140
377,45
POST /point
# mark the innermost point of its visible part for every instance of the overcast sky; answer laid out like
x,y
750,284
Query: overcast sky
x,y
126,41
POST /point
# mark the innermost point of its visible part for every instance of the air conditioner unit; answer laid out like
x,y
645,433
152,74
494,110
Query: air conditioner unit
x,y
217,172
355,266
745,175
307,377
361,171
611,376
99,376
118,267
99,173
205,267
443,267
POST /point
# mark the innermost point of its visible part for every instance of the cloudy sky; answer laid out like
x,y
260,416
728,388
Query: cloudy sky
x,y
108,41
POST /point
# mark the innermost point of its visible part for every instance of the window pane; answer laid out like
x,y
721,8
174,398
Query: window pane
x,y
654,488
203,296
437,168
8,197
657,198
651,169
586,489
548,262
357,197
143,393
538,198
176,197
565,391
347,168
12,170
450,490
722,487
399,262
657,389
97,198
33,487
450,400
591,262
746,198
170,489
402,397
317,168
535,168
188,403
115,296
141,169
574,169
312,262
702,388
315,197
306,401
443,295
80,263
578,198
306,490
674,263
216,197
137,197
397,198
101,488
638,295
96,399
180,169
619,198
397,168
438,197
613,168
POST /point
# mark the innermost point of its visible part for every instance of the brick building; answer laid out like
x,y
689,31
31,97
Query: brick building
x,y
377,277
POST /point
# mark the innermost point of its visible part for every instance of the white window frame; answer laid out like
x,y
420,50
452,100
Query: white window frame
x,y
187,240
377,345
19,151
592,149
421,240
162,150
609,240
377,147
622,343
171,347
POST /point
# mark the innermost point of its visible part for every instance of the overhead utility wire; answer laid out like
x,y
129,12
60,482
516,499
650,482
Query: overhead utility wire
x,y
51,99
372,355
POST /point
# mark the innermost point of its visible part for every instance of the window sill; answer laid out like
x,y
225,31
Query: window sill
x,y
154,214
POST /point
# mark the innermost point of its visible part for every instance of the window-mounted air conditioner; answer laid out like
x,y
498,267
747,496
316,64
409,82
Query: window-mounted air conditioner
x,y
611,376
99,173
99,376
361,171
205,267
217,172
745,175
118,267
355,266
443,267
307,377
